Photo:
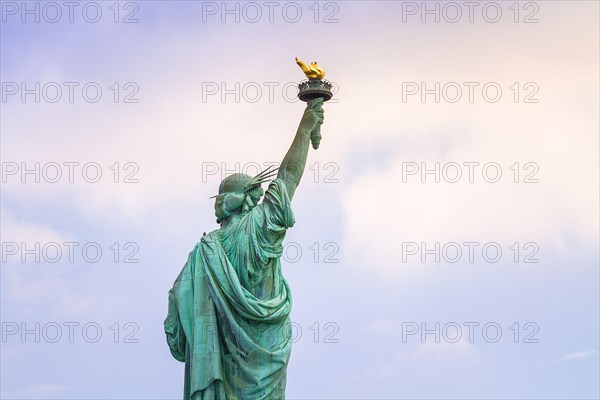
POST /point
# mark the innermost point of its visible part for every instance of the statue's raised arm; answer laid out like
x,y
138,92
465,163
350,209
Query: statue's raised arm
x,y
292,166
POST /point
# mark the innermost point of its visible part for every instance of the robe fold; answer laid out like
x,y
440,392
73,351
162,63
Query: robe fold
x,y
228,316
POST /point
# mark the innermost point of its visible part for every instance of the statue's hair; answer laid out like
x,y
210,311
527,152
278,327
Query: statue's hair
x,y
234,190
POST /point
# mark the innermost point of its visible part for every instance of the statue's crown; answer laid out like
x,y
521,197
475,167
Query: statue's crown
x,y
242,183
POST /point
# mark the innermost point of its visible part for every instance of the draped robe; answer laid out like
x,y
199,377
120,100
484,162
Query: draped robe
x,y
228,316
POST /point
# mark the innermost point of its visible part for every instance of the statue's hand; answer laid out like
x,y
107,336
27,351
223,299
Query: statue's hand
x,y
313,115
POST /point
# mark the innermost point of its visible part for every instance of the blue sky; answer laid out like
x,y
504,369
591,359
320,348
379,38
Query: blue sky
x,y
365,218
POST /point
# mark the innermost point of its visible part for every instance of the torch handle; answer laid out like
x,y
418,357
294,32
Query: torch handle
x,y
315,137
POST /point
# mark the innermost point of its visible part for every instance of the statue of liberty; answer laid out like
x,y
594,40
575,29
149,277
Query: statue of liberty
x,y
229,308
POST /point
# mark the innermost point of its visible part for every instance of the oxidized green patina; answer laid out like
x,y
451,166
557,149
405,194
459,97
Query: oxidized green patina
x,y
229,309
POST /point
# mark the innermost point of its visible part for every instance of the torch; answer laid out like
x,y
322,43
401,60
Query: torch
x,y
313,88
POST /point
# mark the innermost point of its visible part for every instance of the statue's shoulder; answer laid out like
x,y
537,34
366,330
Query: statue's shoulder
x,y
211,238
209,235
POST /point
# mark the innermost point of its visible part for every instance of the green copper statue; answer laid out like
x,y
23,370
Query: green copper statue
x,y
229,309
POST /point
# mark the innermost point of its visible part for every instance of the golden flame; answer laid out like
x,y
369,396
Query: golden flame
x,y
312,71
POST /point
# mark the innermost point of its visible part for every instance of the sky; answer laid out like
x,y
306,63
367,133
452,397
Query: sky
x,y
446,242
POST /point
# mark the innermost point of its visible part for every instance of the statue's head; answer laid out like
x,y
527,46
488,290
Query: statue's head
x,y
239,193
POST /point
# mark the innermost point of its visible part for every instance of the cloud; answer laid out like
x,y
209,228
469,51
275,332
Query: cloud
x,y
385,327
578,355
60,289
546,155
19,230
38,391
435,358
